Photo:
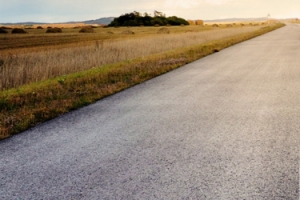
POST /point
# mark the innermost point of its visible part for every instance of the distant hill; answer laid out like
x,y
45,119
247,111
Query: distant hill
x,y
102,21
105,20
237,19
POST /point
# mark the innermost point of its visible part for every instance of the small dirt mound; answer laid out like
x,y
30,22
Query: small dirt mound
x,y
128,32
3,31
215,25
229,25
87,29
110,32
163,31
54,30
18,30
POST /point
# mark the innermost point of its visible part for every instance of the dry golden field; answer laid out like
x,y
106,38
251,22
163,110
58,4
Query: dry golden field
x,y
36,56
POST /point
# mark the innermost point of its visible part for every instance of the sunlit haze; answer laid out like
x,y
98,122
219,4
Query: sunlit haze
x,y
79,10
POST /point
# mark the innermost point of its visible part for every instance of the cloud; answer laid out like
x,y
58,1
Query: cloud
x,y
216,2
182,3
191,3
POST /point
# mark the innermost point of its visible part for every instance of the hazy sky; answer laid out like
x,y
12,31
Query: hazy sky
x,y
79,10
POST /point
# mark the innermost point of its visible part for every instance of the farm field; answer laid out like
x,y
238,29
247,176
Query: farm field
x,y
37,56
39,37
45,75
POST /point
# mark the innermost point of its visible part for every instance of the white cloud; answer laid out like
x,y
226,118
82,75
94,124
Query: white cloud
x,y
67,10
182,3
216,2
191,3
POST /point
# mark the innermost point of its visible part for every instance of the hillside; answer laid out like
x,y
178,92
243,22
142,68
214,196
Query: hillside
x,y
102,21
105,20
237,19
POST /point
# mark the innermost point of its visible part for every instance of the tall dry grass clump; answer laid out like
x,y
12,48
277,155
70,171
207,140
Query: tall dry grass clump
x,y
27,67
3,31
87,29
18,31
163,31
54,30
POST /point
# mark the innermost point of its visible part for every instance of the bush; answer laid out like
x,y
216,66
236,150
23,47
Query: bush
x,y
87,29
54,30
3,31
18,30
163,31
39,27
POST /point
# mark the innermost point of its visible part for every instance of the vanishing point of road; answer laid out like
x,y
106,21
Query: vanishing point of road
x,y
224,127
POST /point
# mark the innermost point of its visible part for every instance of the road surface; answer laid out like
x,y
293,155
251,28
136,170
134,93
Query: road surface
x,y
224,127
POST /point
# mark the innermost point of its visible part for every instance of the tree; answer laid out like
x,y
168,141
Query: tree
x,y
136,19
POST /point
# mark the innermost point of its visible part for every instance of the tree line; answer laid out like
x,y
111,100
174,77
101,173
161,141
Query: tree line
x,y
138,19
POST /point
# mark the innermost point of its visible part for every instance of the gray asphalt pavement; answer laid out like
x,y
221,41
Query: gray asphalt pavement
x,y
224,127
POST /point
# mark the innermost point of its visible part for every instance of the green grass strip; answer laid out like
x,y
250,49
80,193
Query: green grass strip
x,y
25,107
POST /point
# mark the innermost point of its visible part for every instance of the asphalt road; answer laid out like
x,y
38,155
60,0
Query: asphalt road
x,y
224,127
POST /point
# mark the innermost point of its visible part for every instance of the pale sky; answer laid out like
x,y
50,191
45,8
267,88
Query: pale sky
x,y
80,10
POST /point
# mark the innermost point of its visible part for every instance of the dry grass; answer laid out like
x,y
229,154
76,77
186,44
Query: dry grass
x,y
21,68
37,37
128,32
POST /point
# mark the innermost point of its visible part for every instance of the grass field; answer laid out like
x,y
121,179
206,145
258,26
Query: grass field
x,y
40,56
44,80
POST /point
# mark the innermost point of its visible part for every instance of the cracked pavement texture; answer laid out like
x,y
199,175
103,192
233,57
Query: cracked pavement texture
x,y
223,127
